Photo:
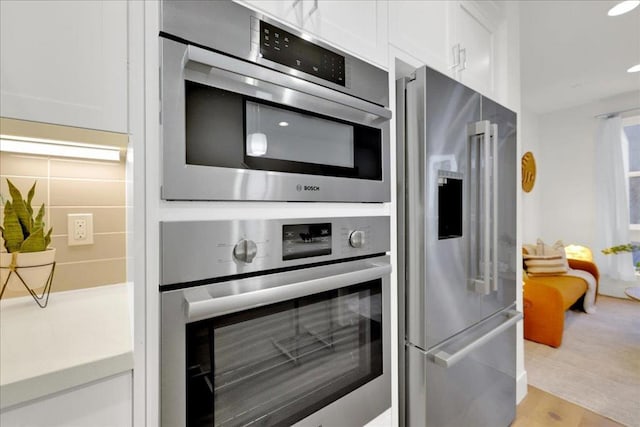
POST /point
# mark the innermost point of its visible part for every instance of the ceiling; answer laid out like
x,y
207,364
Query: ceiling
x,y
572,53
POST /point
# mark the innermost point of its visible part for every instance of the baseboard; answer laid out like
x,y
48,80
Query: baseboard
x,y
615,288
521,387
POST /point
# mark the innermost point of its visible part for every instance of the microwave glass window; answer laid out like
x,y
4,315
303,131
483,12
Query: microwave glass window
x,y
229,130
214,124
277,364
280,134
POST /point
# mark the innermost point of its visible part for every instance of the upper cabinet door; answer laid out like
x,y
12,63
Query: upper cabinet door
x,y
65,62
288,11
474,34
421,29
357,26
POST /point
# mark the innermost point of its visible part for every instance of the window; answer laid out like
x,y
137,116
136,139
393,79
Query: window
x,y
632,131
631,128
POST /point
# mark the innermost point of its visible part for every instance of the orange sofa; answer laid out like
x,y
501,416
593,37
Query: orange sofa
x,y
546,298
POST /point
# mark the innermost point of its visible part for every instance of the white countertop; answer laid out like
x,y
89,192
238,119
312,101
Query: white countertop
x,y
81,336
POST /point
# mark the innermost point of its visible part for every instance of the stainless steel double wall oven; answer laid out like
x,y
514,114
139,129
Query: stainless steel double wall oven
x,y
252,110
284,321
275,322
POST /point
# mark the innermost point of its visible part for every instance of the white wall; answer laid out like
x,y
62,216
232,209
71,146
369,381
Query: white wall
x,y
566,162
509,93
531,202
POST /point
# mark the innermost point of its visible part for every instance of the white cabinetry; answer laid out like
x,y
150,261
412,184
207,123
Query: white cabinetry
x,y
65,62
104,403
289,11
474,31
457,38
358,27
421,28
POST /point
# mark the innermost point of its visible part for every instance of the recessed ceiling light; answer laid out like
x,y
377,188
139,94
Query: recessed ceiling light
x,y
283,124
623,7
634,69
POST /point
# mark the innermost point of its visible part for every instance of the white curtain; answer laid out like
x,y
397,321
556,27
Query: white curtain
x,y
612,199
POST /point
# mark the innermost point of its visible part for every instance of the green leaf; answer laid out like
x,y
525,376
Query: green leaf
x,y
20,208
38,221
47,238
12,230
30,195
629,247
35,242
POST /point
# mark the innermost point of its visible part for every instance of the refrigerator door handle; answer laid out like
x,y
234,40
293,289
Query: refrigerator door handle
x,y
494,196
446,360
483,129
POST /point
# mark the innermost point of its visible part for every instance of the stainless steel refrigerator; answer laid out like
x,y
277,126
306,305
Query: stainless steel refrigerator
x,y
457,244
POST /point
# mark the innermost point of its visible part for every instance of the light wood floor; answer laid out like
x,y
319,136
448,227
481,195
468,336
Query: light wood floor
x,y
541,409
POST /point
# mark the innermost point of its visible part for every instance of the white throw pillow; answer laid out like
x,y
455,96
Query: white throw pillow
x,y
545,259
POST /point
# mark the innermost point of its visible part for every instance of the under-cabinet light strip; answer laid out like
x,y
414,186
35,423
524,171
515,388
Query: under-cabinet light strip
x,y
49,147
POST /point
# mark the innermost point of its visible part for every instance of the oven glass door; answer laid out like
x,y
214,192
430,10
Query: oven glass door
x,y
227,129
277,364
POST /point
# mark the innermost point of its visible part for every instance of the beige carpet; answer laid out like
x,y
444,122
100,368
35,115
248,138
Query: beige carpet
x,y
598,364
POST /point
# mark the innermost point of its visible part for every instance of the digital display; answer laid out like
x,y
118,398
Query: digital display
x,y
305,240
288,49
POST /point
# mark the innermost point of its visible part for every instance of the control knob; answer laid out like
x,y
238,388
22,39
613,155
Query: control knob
x,y
356,239
245,251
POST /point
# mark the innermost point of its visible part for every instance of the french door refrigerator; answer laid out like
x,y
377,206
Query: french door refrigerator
x,y
457,231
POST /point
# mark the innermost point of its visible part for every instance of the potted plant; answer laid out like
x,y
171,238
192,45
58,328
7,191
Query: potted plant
x,y
26,260
629,247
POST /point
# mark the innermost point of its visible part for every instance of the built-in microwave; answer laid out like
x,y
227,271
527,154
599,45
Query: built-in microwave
x,y
253,110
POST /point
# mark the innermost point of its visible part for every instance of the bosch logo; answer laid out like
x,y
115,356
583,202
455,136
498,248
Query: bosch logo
x,y
307,187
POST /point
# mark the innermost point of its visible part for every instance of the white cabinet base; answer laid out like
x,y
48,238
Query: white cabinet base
x,y
104,403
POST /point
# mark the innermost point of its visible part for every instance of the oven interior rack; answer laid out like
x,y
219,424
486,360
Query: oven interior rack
x,y
294,351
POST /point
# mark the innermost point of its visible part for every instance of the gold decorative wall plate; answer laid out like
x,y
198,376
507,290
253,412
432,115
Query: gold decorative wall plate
x,y
528,171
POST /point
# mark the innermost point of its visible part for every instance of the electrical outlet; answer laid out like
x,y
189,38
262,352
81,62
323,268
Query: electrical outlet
x,y
80,229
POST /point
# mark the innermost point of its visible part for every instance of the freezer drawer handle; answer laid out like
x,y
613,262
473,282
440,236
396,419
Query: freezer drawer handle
x,y
446,360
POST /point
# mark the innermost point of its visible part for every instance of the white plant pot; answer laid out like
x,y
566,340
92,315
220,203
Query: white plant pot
x,y
39,263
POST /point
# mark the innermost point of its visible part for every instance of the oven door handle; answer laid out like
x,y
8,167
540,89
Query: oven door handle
x,y
208,58
199,304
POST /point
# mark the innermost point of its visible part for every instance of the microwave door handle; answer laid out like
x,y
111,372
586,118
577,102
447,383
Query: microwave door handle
x,y
494,196
480,131
199,304
197,55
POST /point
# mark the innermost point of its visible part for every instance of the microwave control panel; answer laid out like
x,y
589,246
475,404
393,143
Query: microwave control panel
x,y
288,49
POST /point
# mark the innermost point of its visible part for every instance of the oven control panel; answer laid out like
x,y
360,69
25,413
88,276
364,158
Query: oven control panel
x,y
305,240
357,239
202,250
